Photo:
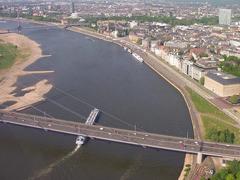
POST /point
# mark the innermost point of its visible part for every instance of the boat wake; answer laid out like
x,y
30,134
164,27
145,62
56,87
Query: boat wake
x,y
133,167
50,167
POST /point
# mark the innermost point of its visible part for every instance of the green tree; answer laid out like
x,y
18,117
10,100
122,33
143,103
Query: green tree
x,y
238,175
212,134
224,136
229,136
230,177
202,80
231,64
221,136
234,167
234,99
231,172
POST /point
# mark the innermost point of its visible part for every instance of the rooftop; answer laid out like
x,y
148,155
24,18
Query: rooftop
x,y
223,78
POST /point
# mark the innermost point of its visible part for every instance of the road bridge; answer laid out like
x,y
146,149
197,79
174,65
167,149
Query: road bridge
x,y
40,25
132,137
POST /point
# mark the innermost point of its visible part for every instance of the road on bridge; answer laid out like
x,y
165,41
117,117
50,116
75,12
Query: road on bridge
x,y
144,139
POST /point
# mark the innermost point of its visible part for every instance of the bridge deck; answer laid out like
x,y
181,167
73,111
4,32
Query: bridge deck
x,y
124,136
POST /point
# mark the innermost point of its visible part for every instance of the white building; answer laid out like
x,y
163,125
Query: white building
x,y
174,60
225,16
235,43
74,16
132,24
197,72
176,44
154,46
187,67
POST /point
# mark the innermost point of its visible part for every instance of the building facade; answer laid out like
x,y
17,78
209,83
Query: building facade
x,y
224,85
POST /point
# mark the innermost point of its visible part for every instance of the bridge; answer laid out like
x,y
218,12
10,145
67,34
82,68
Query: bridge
x,y
20,28
40,25
144,139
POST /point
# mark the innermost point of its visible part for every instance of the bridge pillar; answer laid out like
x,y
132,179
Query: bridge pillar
x,y
199,158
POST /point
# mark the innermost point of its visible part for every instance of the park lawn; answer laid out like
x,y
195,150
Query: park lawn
x,y
212,117
205,107
210,122
8,55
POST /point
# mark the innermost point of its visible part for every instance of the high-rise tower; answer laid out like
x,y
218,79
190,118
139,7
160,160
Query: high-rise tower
x,y
72,7
225,16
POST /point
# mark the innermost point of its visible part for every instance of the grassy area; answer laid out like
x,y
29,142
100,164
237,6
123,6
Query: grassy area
x,y
204,107
212,117
210,123
8,55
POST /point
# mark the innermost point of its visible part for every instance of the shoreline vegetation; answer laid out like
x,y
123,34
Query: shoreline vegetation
x,y
18,52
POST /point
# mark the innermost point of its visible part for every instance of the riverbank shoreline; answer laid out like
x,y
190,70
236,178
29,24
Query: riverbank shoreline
x,y
108,39
31,52
189,158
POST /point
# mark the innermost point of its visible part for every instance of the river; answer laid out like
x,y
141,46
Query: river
x,y
104,75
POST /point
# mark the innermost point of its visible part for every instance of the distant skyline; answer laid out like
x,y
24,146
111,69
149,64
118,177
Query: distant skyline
x,y
220,2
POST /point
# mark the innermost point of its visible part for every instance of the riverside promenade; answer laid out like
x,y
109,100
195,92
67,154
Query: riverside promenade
x,y
159,67
179,80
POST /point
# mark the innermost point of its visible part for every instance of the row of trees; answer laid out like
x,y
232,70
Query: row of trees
x,y
224,136
36,18
231,172
164,19
41,18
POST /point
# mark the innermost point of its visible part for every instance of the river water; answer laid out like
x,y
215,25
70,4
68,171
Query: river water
x,y
104,75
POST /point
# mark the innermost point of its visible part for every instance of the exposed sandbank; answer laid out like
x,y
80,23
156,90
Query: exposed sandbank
x,y
30,51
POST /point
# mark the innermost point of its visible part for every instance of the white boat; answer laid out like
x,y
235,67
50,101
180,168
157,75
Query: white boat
x,y
125,48
80,140
139,58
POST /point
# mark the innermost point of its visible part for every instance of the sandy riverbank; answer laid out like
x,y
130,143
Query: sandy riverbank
x,y
188,161
30,51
